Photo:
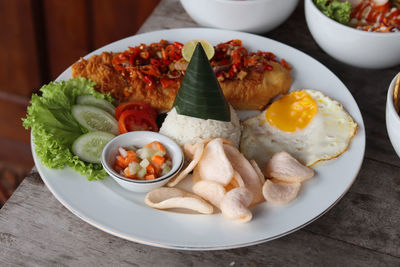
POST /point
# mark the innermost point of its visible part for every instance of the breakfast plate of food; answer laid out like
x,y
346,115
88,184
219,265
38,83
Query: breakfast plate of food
x,y
271,139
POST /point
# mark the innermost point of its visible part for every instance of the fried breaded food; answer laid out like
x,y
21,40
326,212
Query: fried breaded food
x,y
253,92
99,68
256,90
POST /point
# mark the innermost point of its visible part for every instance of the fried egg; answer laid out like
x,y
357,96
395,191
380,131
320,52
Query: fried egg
x,y
305,123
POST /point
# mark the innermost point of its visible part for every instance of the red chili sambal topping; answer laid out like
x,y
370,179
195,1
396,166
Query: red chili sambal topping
x,y
162,63
152,63
233,61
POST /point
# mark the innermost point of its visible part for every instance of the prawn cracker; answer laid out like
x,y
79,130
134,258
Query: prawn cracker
x,y
396,94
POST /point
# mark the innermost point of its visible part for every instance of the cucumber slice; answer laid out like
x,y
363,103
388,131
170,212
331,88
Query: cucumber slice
x,y
142,172
134,167
95,119
92,101
88,147
144,163
165,170
145,153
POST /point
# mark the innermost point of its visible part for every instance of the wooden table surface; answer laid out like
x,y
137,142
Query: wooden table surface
x,y
361,230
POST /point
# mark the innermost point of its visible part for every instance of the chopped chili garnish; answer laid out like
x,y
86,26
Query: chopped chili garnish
x,y
148,81
150,63
157,63
166,82
235,42
232,59
144,54
151,70
178,45
285,64
268,67
169,52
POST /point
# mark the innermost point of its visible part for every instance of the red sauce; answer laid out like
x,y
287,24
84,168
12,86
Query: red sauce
x,y
368,17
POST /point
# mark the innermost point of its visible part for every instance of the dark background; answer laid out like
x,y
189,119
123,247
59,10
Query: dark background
x,y
39,39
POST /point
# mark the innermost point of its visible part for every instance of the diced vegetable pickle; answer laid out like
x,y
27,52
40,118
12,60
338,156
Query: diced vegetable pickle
x,y
146,163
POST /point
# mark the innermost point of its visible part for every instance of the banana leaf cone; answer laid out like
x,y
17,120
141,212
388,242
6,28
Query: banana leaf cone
x,y
200,94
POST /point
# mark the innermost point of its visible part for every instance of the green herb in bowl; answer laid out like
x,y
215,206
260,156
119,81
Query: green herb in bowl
x,y
337,10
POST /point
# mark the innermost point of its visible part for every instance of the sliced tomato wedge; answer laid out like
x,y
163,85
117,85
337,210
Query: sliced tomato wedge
x,y
135,105
136,120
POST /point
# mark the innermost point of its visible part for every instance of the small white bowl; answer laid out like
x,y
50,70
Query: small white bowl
x,y
140,139
393,119
257,16
372,50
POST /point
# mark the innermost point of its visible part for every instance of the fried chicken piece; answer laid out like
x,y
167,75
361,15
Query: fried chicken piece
x,y
253,92
256,90
99,68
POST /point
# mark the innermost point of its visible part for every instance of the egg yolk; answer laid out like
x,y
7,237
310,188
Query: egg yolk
x,y
292,112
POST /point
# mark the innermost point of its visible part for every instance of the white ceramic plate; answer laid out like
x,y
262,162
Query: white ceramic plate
x,y
105,205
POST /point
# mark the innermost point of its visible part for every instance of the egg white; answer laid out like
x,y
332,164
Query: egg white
x,y
327,135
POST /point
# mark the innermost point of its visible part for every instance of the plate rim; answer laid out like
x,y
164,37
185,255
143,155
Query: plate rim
x,y
188,248
88,220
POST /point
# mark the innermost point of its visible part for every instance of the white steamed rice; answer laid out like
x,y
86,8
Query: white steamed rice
x,y
185,129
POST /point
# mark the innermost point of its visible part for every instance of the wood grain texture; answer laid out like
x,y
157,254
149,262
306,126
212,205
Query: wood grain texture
x,y
14,153
114,20
51,235
11,113
12,174
366,216
361,230
67,33
19,71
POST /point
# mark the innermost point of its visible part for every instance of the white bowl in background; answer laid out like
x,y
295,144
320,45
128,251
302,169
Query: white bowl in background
x,y
256,16
140,139
372,50
393,118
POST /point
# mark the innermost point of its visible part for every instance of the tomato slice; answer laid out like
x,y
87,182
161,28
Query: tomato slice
x,y
136,120
135,105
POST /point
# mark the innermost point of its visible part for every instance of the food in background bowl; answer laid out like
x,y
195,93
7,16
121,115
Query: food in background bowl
x,y
396,95
376,15
367,15
392,115
355,47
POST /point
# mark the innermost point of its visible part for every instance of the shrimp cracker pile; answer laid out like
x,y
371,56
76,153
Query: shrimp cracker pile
x,y
223,178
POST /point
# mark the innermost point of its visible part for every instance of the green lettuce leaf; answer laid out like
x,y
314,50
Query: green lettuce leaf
x,y
54,129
